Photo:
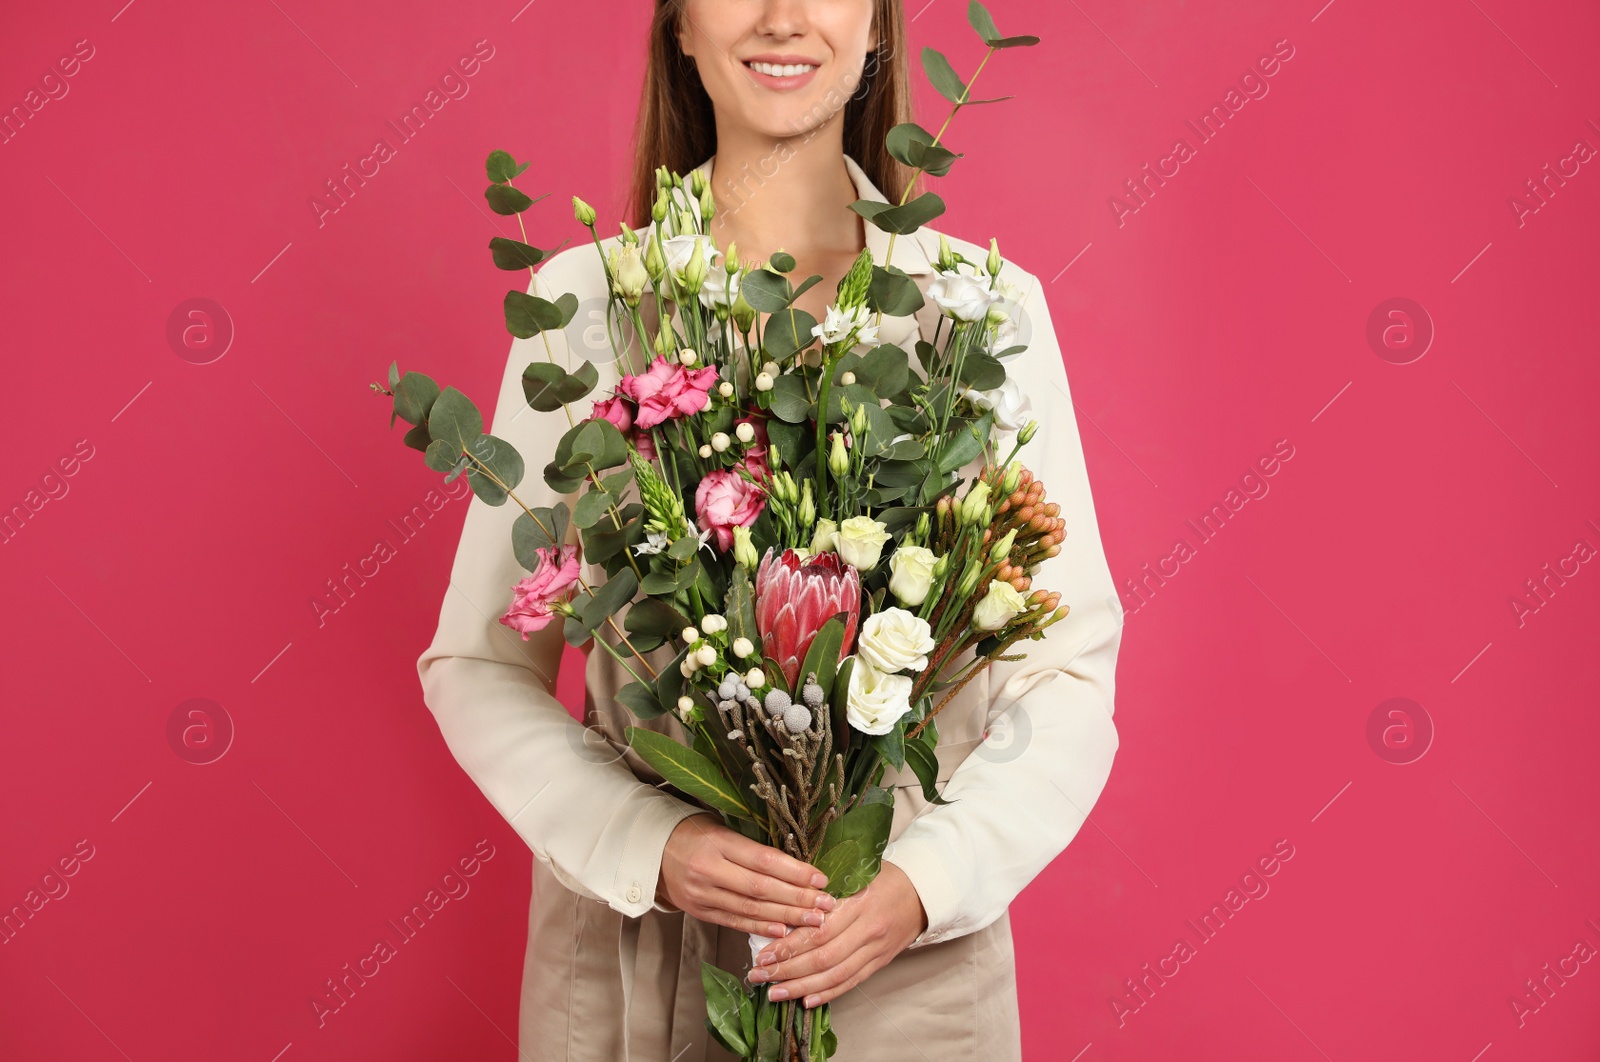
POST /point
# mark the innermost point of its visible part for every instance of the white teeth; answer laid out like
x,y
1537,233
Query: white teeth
x,y
782,70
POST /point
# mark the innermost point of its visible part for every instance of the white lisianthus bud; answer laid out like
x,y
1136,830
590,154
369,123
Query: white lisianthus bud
x,y
745,431
895,640
911,577
744,550
860,541
876,701
725,389
690,635
1029,430
838,459
975,503
583,212
742,647
628,275
756,678
847,378
687,356
1002,604
993,264
763,382
808,505
707,655
720,441
826,536
947,256
705,450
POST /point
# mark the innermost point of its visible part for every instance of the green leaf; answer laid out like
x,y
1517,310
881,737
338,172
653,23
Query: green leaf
x,y
892,746
504,199
686,769
943,76
640,700
901,220
608,599
514,254
503,463
454,419
788,332
766,291
965,446
548,386
605,543
501,167
650,616
669,683
441,455
791,404
768,1045
414,395
853,844
593,507
914,146
823,655
981,371
1023,41
724,994
550,531
885,371
782,262
926,766
894,294
528,315
981,21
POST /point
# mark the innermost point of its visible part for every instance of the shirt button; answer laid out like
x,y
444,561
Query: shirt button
x,y
634,893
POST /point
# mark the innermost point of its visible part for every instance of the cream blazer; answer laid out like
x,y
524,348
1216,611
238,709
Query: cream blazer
x,y
1023,752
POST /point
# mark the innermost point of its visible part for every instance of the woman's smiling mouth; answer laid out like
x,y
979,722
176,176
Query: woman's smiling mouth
x,y
781,71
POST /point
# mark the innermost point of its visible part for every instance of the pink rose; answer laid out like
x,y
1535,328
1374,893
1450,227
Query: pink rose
x,y
616,411
725,500
532,597
667,391
645,443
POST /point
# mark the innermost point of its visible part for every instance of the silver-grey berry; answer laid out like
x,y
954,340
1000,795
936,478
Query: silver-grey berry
x,y
797,717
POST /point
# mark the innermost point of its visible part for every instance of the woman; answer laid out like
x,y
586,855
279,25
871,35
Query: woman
x,y
784,104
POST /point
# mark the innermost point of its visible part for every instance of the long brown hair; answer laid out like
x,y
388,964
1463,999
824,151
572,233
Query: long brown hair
x,y
676,127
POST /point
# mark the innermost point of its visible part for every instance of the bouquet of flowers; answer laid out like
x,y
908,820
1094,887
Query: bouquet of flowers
x,y
780,502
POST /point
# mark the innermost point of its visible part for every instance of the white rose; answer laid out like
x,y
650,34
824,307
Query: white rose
x,y
962,297
1009,404
895,640
999,607
876,701
826,536
911,574
860,541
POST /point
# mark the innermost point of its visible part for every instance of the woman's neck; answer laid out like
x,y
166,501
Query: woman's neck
x,y
793,195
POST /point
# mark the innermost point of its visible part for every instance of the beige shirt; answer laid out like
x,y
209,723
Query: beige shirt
x,y
1023,753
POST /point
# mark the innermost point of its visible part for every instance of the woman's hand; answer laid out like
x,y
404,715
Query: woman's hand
x,y
719,875
869,928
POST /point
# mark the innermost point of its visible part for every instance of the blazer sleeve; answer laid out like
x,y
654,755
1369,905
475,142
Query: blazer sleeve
x,y
1021,795
600,828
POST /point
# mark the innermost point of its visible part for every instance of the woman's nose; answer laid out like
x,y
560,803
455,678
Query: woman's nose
x,y
783,18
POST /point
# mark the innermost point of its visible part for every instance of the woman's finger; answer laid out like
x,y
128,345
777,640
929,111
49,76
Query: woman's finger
x,y
771,862
761,911
806,939
760,887
828,967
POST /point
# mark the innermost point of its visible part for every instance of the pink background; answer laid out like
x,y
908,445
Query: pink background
x,y
1227,313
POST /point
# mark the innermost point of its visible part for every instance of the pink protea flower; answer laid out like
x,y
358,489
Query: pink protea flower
x,y
668,391
794,598
532,597
616,411
725,500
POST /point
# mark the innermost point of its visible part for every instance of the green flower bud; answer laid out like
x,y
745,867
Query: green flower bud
x,y
708,205
665,344
808,507
583,212
773,459
1013,476
694,274
658,209
947,256
858,422
1029,430
628,237
1002,548
663,177
920,535
993,264
744,550
686,223
941,566
628,276
853,288
744,315
974,504
968,583
730,260
654,263
838,458
697,182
